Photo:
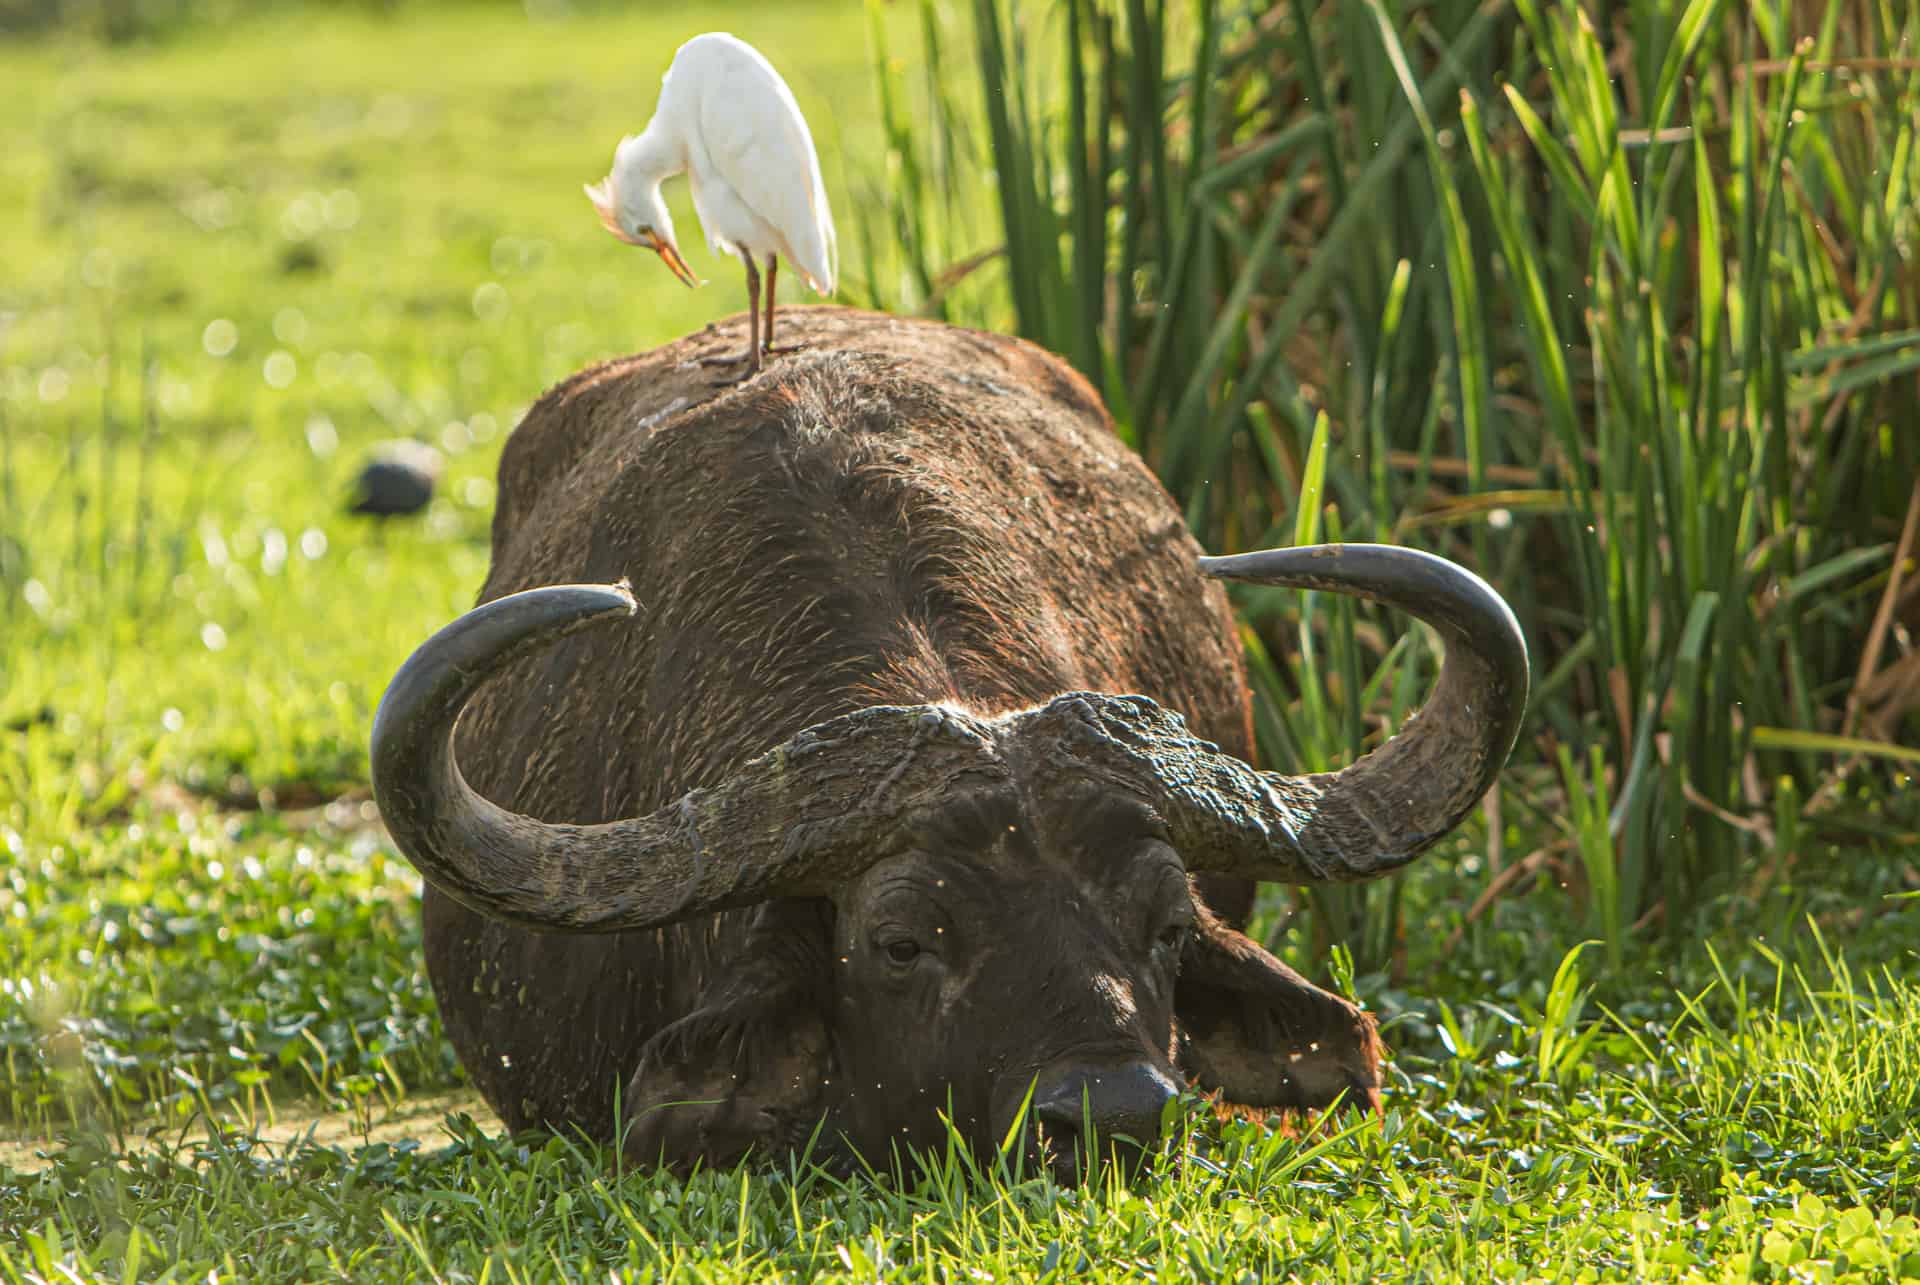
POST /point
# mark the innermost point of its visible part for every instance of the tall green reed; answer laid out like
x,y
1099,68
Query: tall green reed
x,y
1619,304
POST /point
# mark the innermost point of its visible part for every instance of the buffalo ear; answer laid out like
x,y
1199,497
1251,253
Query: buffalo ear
x,y
719,1084
1262,1035
748,1070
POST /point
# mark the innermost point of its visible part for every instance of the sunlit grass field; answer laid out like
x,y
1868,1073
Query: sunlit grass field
x,y
234,259
233,262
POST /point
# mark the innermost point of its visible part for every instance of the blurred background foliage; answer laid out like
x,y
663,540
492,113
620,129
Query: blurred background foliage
x,y
134,21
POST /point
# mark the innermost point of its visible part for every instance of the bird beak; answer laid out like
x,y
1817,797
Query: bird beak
x,y
670,255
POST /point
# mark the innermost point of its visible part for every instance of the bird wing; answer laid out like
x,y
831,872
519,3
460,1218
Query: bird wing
x,y
758,143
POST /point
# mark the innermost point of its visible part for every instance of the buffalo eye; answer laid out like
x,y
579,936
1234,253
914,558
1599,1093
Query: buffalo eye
x,y
902,951
1171,939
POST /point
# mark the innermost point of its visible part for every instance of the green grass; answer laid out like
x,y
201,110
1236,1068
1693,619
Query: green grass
x,y
388,216
234,257
1536,1148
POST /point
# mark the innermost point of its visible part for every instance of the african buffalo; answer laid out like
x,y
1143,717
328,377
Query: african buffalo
x,y
868,794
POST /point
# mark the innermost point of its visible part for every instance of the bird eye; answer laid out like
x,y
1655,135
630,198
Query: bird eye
x,y
902,951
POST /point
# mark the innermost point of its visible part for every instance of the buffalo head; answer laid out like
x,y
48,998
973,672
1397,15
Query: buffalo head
x,y
962,918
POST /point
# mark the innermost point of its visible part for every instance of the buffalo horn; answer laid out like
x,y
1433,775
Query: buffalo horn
x,y
795,821
1368,818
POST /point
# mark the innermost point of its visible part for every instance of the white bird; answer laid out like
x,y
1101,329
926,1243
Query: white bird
x,y
728,121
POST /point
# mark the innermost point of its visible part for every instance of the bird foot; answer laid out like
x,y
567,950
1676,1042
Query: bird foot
x,y
774,350
748,361
747,371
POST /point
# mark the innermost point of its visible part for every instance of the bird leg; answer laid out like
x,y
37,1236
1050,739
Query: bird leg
x,y
752,357
773,271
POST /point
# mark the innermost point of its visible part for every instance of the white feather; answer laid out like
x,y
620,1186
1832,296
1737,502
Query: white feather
x,y
727,119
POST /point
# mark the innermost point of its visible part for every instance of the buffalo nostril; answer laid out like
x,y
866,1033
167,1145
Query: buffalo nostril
x,y
1118,1101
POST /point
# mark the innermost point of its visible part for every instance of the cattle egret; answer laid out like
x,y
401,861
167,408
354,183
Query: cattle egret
x,y
728,121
